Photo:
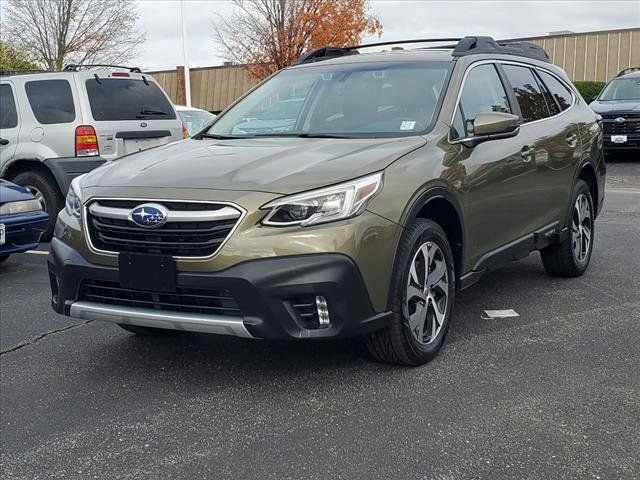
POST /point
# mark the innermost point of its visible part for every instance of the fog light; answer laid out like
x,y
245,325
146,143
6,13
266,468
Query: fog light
x,y
323,311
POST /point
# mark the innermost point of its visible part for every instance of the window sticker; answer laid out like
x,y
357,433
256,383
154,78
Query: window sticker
x,y
407,125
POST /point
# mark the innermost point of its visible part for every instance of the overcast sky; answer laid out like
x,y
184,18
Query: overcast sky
x,y
401,19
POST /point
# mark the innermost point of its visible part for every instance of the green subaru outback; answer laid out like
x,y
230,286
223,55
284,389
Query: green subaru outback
x,y
353,194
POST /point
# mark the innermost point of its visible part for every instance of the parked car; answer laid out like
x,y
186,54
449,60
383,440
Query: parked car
x,y
406,176
194,119
56,125
619,105
22,220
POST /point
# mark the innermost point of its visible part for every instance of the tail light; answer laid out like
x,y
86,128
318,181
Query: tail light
x,y
185,133
86,141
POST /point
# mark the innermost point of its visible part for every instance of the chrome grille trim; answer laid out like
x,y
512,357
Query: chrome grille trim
x,y
226,213
239,215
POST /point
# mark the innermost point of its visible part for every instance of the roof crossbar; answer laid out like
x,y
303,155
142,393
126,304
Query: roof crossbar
x,y
464,46
326,53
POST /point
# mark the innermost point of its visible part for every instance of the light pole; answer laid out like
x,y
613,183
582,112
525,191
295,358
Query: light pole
x,y
187,76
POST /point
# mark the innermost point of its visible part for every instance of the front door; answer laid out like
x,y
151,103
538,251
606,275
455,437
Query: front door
x,y
495,203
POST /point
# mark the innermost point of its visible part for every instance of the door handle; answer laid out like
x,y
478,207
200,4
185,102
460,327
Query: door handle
x,y
572,140
4,141
527,153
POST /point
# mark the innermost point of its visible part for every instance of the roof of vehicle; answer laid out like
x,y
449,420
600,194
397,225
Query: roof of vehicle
x,y
635,74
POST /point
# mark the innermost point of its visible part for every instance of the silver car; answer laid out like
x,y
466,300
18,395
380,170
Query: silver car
x,y
57,125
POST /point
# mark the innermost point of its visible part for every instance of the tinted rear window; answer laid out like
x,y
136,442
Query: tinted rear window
x,y
533,105
8,112
127,99
51,101
558,90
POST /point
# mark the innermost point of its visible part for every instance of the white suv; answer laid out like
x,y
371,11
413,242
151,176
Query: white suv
x,y
57,125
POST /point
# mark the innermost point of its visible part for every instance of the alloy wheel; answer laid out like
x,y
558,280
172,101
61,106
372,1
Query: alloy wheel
x,y
427,297
581,228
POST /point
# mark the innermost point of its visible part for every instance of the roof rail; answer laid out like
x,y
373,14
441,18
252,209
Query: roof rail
x,y
464,46
325,53
478,45
76,68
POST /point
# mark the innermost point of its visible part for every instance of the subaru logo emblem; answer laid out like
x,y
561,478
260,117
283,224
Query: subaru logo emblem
x,y
148,215
620,120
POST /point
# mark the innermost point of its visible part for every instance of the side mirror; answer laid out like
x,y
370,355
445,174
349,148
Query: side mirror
x,y
495,123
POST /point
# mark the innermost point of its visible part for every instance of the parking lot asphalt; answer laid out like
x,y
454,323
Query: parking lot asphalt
x,y
554,393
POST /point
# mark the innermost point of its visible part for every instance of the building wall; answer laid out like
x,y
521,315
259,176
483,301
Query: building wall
x,y
212,88
592,56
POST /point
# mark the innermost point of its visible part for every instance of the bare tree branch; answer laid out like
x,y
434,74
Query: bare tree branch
x,y
57,32
268,35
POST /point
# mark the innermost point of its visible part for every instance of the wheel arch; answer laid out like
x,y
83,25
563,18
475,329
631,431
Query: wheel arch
x,y
30,164
440,205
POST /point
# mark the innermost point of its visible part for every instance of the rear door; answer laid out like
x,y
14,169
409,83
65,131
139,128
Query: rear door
x,y
9,122
552,140
129,112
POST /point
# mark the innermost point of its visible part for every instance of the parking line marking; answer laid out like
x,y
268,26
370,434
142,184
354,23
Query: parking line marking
x,y
38,252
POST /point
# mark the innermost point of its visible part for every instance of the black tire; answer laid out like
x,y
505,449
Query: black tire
x,y
4,257
560,259
396,343
45,184
147,331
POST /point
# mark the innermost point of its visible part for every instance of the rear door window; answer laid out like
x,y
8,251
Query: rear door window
x,y
127,99
8,111
533,105
482,92
561,93
51,101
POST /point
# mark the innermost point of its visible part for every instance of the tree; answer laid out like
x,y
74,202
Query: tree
x,y
55,32
14,59
268,35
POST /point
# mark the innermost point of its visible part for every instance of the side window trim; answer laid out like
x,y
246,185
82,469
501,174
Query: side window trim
x,y
497,63
511,96
511,100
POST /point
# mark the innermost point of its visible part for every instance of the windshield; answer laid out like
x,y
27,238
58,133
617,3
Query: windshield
x,y
348,100
621,89
195,120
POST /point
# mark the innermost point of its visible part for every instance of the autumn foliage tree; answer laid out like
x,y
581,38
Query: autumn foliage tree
x,y
267,35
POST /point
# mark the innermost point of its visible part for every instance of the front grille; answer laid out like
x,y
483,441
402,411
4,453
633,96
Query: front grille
x,y
630,125
199,236
191,300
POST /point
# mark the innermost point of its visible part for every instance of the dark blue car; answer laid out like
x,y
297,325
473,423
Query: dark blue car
x,y
22,220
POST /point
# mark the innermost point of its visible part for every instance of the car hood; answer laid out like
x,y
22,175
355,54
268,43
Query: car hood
x,y
10,192
274,165
615,107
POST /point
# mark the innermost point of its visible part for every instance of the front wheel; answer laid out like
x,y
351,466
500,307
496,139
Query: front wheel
x,y
421,299
571,257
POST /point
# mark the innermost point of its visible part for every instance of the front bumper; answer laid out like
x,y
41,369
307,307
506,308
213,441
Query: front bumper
x,y
23,231
262,288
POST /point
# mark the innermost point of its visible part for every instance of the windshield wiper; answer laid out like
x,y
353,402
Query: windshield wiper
x,y
219,137
144,113
320,135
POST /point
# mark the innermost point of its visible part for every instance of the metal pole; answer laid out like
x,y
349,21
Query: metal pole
x,y
187,76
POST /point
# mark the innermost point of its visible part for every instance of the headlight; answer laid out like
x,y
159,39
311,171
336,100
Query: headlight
x,y
326,205
73,202
22,206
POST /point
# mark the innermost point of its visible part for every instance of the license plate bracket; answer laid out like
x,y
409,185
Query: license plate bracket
x,y
3,234
155,273
618,139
